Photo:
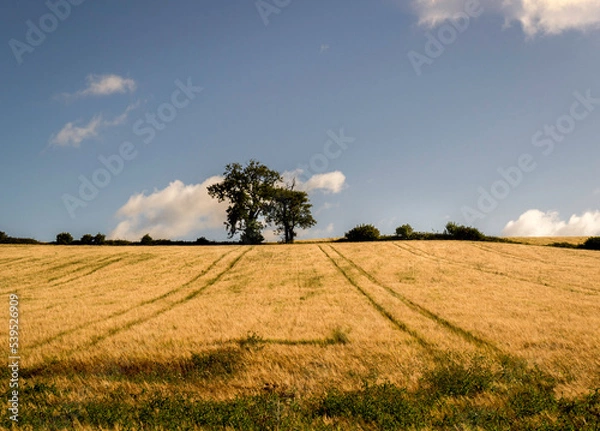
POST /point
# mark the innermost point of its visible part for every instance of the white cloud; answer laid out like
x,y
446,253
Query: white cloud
x,y
173,212
104,85
433,12
72,135
535,16
121,119
538,223
330,182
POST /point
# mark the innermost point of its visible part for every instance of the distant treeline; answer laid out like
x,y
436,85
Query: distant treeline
x,y
66,238
5,239
592,243
363,232
453,231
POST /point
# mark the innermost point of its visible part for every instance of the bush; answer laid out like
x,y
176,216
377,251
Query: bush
x,y
463,233
405,231
64,238
363,232
592,243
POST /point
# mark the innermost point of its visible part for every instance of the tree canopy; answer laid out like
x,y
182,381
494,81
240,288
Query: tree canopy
x,y
250,190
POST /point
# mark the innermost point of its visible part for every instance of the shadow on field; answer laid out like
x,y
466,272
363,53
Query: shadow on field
x,y
221,362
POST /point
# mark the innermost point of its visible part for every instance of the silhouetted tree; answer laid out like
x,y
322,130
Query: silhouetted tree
x,y
64,238
99,239
592,243
249,190
463,233
290,209
146,240
87,239
405,231
3,237
363,232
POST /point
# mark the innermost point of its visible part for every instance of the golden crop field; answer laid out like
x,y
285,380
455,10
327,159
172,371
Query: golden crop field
x,y
221,323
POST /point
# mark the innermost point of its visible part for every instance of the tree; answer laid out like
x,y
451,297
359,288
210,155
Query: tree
x,y
146,240
288,210
99,239
405,231
249,191
87,239
3,237
363,232
64,238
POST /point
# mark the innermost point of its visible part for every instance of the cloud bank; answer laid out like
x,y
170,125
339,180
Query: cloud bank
x,y
535,16
180,210
170,213
538,223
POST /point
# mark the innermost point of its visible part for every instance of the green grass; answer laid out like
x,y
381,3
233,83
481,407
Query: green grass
x,y
453,395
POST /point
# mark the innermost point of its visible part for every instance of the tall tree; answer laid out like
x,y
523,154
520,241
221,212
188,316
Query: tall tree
x,y
290,209
249,191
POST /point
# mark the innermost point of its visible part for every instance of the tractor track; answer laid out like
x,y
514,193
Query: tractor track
x,y
132,323
463,333
129,310
379,308
420,253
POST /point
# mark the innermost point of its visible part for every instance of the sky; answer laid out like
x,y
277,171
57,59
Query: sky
x,y
116,115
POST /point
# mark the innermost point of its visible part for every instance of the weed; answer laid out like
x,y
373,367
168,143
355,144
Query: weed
x,y
453,378
252,341
338,336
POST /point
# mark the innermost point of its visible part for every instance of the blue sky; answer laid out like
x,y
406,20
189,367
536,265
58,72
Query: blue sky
x,y
427,101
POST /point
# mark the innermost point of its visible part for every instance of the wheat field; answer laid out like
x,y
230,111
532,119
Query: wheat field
x,y
296,319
